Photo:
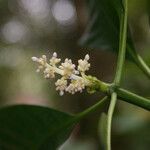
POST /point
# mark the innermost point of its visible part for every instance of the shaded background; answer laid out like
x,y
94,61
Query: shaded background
x,y
35,27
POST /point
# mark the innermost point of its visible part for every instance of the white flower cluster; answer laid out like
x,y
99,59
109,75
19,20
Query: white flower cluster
x,y
73,80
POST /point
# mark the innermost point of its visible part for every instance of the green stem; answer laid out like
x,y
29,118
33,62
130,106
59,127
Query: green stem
x,y
124,94
92,108
122,45
109,120
119,69
139,61
133,98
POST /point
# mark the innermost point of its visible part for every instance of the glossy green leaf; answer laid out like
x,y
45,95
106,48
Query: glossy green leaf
x,y
103,28
27,127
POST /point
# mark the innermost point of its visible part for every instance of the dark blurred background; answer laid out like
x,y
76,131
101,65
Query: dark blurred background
x,y
35,27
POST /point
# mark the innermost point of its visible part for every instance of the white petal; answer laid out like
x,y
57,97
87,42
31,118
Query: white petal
x,y
87,57
54,54
34,58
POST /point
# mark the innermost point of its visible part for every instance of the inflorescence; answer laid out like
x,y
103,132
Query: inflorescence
x,y
72,79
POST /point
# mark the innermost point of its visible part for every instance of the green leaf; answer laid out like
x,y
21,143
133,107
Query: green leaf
x,y
103,28
27,127
102,129
104,25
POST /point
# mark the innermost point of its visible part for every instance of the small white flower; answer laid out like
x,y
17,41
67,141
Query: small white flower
x,y
55,54
54,60
76,86
44,57
40,67
68,67
34,59
61,85
83,65
49,72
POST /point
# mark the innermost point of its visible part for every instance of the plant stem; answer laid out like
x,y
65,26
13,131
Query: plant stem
x,y
139,61
92,108
123,94
133,98
122,45
119,69
109,119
